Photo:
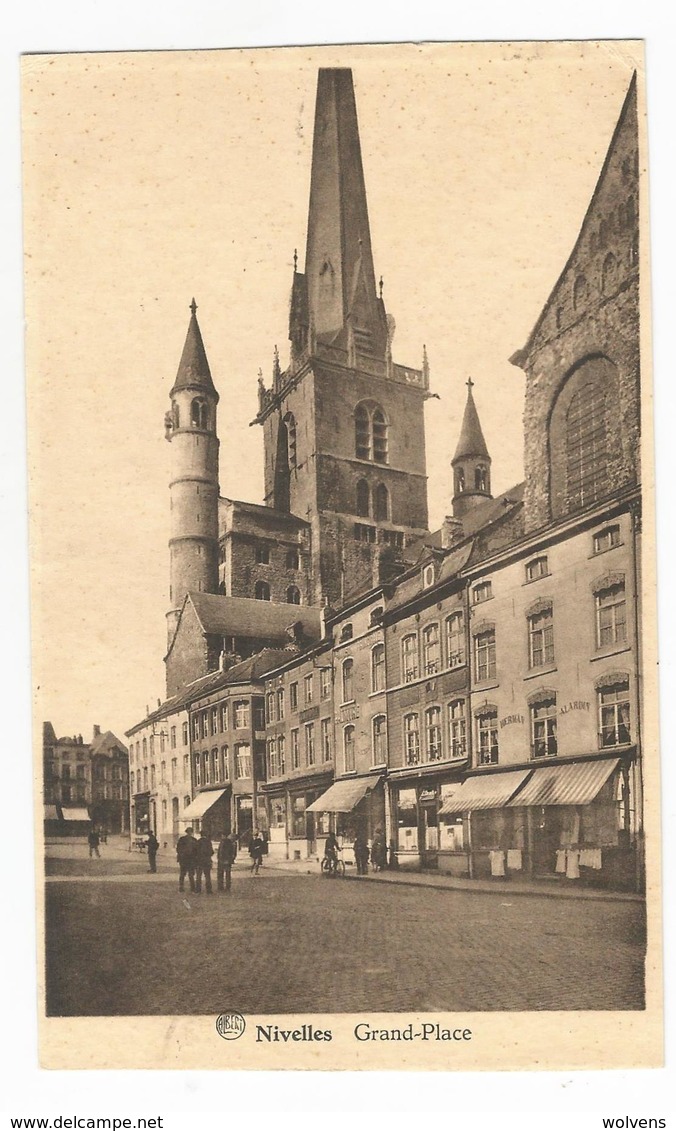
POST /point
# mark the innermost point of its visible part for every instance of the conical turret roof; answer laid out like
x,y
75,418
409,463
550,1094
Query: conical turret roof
x,y
193,369
471,442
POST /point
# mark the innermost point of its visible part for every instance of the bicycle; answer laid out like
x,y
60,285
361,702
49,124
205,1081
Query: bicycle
x,y
332,866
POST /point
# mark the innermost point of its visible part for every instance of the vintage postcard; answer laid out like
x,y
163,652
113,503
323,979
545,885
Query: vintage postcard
x,y
343,557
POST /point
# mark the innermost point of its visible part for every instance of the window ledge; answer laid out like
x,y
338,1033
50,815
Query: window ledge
x,y
599,553
348,703
535,672
611,652
540,577
375,694
486,685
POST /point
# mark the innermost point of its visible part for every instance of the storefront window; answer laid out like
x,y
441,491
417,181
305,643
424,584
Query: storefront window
x,y
407,821
411,740
277,813
298,816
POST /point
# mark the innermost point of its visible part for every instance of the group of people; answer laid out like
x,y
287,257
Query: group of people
x,y
377,853
195,860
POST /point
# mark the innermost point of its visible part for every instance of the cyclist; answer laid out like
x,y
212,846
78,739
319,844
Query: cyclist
x,y
331,850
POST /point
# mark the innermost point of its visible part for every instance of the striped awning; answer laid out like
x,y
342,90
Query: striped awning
x,y
343,796
485,791
577,783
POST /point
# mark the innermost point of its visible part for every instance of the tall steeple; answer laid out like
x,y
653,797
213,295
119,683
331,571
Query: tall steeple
x,y
340,303
471,463
190,426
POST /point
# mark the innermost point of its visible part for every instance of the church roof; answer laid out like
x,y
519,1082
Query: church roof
x,y
471,442
244,616
193,369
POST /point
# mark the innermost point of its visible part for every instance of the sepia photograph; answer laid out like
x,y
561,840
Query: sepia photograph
x,y
342,554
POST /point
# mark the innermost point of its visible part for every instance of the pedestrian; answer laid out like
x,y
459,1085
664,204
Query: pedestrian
x,y
204,852
93,841
152,845
256,852
361,853
225,858
186,854
379,851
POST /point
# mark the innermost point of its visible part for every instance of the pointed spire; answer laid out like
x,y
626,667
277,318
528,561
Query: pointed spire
x,y
339,261
193,369
471,442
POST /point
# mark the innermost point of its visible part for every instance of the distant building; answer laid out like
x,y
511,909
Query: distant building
x,y
85,783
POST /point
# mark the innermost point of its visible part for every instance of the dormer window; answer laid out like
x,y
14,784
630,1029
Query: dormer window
x,y
537,568
428,575
346,632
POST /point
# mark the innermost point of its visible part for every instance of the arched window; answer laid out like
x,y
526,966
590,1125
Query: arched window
x,y
293,595
378,668
580,291
175,414
348,681
583,464
382,503
379,740
199,413
586,446
459,480
346,632
262,591
608,273
363,498
371,432
481,479
409,658
290,423
348,748
431,650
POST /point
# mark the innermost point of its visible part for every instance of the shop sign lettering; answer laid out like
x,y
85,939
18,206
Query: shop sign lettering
x,y
347,714
509,719
575,705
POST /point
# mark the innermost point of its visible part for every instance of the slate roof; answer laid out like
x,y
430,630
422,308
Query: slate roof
x,y
244,616
193,369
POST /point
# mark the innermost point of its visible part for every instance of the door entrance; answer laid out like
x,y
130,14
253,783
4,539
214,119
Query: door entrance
x,y
547,828
429,834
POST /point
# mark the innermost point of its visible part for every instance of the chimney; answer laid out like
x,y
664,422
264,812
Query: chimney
x,y
97,731
451,532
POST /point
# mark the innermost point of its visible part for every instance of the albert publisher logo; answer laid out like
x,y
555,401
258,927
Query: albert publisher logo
x,y
230,1026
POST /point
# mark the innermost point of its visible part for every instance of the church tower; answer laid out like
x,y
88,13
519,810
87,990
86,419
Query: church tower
x,y
343,424
190,426
471,463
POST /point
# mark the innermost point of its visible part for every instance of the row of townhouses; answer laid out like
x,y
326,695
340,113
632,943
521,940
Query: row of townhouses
x,y
474,693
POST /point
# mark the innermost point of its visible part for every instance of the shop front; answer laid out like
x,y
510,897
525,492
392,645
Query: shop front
x,y
422,837
140,814
351,806
275,805
208,812
307,827
560,822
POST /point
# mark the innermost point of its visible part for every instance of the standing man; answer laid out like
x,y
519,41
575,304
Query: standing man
x,y
225,858
204,850
186,854
93,841
256,852
152,845
361,853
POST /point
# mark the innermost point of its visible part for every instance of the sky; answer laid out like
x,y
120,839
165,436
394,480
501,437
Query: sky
x,y
153,177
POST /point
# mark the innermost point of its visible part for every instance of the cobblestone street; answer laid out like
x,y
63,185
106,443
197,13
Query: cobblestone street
x,y
125,942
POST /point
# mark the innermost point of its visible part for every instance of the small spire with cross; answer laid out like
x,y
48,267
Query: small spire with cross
x,y
380,288
470,384
295,260
193,306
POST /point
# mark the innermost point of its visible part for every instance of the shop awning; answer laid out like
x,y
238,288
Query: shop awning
x,y
51,813
343,796
485,791
200,804
75,814
573,784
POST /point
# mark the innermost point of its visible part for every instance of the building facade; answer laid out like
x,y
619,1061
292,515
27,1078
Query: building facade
x,y
85,783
